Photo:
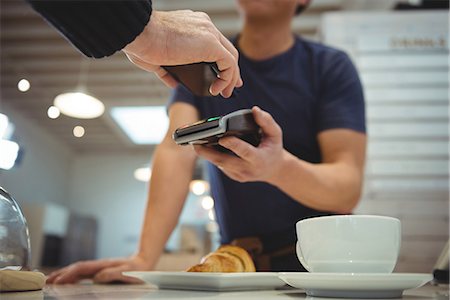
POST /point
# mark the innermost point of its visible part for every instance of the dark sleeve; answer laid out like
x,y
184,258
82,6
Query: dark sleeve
x,y
97,28
341,103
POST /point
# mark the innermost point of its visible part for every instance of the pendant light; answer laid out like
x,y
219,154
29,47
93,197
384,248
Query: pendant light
x,y
78,103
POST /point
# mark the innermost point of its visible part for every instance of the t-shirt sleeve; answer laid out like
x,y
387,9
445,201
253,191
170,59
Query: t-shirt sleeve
x,y
97,28
341,102
182,94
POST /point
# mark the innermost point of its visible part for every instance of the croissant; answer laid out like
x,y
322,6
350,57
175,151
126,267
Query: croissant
x,y
225,259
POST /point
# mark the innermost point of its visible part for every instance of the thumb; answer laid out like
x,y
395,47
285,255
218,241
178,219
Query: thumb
x,y
268,125
114,274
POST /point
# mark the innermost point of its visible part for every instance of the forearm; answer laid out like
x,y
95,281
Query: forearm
x,y
334,187
168,190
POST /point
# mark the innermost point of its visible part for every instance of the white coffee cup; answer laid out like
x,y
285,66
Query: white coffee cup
x,y
349,243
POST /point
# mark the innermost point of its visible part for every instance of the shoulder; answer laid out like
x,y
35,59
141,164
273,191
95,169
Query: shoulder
x,y
323,56
320,50
330,63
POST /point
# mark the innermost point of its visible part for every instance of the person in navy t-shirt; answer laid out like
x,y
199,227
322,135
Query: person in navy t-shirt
x,y
310,162
310,106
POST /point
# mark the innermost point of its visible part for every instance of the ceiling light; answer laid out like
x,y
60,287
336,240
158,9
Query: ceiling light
x,y
143,174
198,187
6,127
23,85
211,215
8,154
79,105
78,131
212,226
142,124
53,112
207,203
3,124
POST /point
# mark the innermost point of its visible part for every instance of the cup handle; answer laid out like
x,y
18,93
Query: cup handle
x,y
301,257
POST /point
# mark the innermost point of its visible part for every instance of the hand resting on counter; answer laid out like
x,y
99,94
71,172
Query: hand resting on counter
x,y
100,271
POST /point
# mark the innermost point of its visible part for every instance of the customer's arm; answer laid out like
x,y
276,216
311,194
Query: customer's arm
x,y
97,28
333,185
172,171
149,38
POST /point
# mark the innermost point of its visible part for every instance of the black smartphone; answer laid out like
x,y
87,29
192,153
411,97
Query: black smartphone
x,y
197,77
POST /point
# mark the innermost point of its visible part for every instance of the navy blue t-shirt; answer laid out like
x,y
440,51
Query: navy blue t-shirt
x,y
307,89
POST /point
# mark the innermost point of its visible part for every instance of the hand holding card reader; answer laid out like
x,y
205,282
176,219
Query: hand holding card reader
x,y
208,132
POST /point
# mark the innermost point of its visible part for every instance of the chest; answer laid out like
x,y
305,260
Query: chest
x,y
288,96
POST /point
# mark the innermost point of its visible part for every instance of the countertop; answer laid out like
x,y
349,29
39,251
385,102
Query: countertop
x,y
95,291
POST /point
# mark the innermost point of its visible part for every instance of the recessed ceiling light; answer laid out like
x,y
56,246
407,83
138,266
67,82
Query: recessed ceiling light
x,y
23,85
207,203
212,227
78,131
3,124
53,112
143,174
198,187
142,124
79,105
6,127
8,154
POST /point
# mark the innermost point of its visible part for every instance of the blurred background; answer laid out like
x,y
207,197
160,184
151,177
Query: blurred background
x,y
82,181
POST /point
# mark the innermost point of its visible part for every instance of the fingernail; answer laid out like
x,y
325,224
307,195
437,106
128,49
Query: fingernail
x,y
213,94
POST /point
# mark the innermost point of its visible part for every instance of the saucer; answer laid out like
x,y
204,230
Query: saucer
x,y
355,285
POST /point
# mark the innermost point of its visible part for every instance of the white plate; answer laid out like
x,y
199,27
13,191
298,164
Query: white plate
x,y
355,285
210,281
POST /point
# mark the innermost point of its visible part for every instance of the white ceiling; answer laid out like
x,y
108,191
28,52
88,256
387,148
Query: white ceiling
x,y
31,49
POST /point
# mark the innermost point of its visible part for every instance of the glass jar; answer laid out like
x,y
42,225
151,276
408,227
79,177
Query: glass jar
x,y
15,251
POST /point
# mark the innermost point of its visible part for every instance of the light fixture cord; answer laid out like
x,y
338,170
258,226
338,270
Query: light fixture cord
x,y
83,75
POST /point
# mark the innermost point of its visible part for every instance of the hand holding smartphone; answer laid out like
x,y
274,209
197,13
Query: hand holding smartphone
x,y
197,77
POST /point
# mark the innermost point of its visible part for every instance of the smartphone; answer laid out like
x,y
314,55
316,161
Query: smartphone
x,y
197,77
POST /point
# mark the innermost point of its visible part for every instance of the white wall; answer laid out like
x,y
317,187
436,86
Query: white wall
x,y
103,186
44,173
405,77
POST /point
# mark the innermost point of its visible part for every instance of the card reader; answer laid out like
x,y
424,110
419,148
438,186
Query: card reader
x,y
208,132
